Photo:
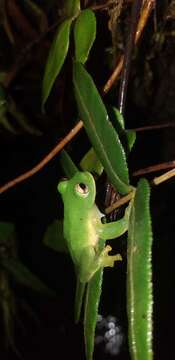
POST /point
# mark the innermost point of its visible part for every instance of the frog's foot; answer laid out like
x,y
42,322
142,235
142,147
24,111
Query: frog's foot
x,y
109,260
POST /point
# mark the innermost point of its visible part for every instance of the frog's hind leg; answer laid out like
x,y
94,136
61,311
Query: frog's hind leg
x,y
108,260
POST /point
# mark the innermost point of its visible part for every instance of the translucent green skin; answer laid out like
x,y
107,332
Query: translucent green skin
x,y
83,228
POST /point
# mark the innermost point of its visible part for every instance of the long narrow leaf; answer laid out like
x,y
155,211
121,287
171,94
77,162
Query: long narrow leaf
x,y
67,164
139,277
92,301
80,290
93,294
57,55
100,130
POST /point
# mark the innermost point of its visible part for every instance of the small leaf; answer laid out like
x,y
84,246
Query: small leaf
x,y
93,294
91,163
101,133
131,138
25,277
67,164
139,275
116,118
55,61
54,237
127,137
6,231
84,34
72,7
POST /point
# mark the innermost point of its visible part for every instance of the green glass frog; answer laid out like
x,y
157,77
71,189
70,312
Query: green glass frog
x,y
83,228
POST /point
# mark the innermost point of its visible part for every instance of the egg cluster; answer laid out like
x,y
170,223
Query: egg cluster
x,y
109,335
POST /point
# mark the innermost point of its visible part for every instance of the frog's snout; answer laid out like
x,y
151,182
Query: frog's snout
x,y
62,186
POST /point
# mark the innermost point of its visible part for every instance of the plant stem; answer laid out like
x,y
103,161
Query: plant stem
x,y
136,7
148,6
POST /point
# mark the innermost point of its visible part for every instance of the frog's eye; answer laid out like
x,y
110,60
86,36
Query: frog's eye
x,y
82,189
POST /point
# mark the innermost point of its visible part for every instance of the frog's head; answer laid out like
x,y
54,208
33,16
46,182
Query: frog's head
x,y
80,189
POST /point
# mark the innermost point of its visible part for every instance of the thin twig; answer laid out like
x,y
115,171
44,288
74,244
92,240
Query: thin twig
x,y
135,13
44,161
154,168
142,22
125,199
136,8
164,177
102,6
153,127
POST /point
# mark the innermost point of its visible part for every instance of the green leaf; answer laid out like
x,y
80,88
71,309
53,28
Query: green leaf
x,y
131,138
84,34
80,290
127,137
6,231
102,135
25,277
116,118
54,237
93,294
67,164
91,163
55,61
72,7
92,300
139,275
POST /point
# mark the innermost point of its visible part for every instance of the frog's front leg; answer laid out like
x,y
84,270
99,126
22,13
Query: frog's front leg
x,y
116,228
